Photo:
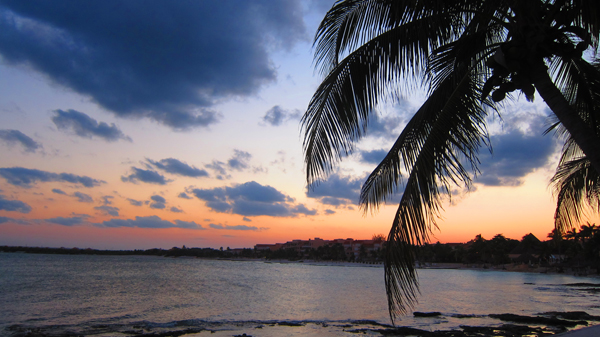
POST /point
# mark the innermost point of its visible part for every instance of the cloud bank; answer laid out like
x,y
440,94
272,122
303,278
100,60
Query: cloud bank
x,y
167,61
250,199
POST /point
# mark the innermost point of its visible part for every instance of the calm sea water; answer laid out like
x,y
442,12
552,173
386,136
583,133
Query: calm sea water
x,y
102,295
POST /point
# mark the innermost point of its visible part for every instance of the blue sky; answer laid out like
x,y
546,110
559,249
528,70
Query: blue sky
x,y
130,124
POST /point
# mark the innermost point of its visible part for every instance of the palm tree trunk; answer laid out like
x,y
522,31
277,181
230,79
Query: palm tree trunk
x,y
582,133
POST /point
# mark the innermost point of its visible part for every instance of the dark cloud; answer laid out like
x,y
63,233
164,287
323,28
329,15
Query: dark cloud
x,y
239,161
107,199
515,154
85,126
337,190
152,221
146,176
23,177
169,61
246,219
57,191
158,205
13,205
4,219
134,202
236,227
383,126
176,210
219,168
108,210
158,198
333,201
175,166
82,197
158,202
301,209
188,224
250,199
373,157
12,137
277,116
183,195
329,212
72,221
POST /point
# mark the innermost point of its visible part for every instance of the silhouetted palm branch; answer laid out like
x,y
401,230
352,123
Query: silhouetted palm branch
x,y
463,50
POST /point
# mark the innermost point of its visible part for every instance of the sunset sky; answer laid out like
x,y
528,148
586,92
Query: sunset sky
x,y
142,124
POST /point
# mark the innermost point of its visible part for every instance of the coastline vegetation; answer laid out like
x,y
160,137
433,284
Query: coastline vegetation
x,y
577,251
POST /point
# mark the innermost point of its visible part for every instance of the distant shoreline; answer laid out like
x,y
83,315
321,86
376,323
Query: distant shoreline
x,y
210,253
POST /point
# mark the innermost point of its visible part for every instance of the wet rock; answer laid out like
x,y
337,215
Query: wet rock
x,y
290,323
405,331
582,284
427,314
572,315
537,320
370,322
466,316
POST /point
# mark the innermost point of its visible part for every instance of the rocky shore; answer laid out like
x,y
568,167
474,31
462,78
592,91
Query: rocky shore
x,y
508,325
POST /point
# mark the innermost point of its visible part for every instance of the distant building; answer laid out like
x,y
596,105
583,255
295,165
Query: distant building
x,y
354,249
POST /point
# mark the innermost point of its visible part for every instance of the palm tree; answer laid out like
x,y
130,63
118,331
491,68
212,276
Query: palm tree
x,y
463,50
576,181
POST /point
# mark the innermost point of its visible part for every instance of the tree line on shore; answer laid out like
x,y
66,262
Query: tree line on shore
x,y
580,247
577,247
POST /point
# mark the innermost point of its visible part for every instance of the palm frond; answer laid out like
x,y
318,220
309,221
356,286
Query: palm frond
x,y
338,112
576,184
446,132
586,14
577,188
351,23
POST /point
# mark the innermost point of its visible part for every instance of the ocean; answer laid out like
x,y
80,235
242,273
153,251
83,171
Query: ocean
x,y
68,295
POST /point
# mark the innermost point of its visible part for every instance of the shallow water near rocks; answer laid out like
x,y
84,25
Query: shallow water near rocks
x,y
128,295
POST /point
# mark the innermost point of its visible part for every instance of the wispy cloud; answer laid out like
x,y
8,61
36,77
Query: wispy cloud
x,y
23,177
82,197
184,195
277,116
158,202
84,126
174,166
152,221
69,222
58,191
145,176
239,161
237,227
108,210
176,210
13,205
12,137
134,202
